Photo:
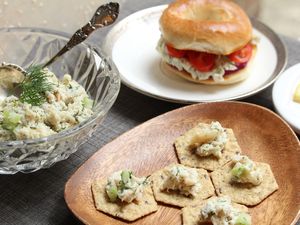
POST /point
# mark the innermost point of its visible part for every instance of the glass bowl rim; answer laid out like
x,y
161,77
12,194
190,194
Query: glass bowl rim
x,y
73,130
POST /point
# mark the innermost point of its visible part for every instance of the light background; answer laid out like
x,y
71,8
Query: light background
x,y
68,15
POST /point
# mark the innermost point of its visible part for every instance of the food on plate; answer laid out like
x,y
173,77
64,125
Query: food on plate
x,y
218,211
46,106
206,41
181,186
296,96
207,146
124,195
214,146
245,171
245,181
237,181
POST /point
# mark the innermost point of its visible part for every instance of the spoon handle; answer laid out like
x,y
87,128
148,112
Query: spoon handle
x,y
105,15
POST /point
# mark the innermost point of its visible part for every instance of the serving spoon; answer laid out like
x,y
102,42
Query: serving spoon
x,y
12,74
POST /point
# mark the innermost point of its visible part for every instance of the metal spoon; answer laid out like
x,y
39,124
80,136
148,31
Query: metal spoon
x,y
106,14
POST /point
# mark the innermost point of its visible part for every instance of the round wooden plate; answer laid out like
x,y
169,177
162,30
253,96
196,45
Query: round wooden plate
x,y
262,135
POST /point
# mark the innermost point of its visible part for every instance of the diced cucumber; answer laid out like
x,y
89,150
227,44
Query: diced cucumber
x,y
238,170
87,103
125,176
243,219
10,120
112,193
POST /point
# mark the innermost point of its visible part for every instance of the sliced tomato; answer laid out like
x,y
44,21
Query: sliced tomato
x,y
175,52
241,56
202,61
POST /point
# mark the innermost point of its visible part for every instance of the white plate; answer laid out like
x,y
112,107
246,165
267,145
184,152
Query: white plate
x,y
283,92
131,45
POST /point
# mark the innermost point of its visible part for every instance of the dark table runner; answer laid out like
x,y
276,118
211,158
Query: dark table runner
x,y
38,198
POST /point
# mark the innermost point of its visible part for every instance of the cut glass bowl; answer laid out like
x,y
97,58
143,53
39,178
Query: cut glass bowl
x,y
86,64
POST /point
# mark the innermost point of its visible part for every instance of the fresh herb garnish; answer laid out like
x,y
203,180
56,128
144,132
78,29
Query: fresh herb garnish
x,y
35,85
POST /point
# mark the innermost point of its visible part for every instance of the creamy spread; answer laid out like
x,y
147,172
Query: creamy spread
x,y
245,171
125,186
182,179
216,146
66,105
222,64
219,211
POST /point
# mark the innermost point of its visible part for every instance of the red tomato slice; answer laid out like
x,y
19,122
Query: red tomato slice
x,y
175,52
241,56
202,61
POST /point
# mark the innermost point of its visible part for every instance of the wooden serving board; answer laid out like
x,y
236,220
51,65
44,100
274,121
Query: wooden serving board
x,y
262,135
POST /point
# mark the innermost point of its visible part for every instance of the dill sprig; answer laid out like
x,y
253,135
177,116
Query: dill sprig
x,y
34,86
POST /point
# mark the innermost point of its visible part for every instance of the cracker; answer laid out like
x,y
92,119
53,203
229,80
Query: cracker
x,y
191,214
246,194
126,211
173,197
189,158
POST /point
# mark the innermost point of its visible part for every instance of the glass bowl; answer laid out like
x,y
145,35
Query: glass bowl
x,y
86,64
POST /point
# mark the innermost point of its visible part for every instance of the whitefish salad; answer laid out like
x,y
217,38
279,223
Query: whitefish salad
x,y
46,105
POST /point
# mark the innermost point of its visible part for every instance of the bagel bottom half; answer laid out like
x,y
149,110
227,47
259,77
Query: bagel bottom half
x,y
232,78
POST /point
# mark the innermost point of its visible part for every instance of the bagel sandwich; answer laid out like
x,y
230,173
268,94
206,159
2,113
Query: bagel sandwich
x,y
206,41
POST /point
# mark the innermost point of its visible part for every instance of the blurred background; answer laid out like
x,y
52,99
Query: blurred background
x,y
68,15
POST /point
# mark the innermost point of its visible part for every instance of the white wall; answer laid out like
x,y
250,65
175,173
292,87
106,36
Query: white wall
x,y
64,15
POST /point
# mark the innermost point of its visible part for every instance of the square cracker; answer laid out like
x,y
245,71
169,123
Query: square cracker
x,y
189,158
246,194
173,197
190,214
127,211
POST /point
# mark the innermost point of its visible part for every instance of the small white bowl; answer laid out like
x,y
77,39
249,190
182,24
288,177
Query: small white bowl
x,y
283,91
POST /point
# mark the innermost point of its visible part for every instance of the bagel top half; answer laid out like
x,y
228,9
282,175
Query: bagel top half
x,y
214,26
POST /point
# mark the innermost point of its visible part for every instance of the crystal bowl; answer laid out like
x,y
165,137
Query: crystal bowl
x,y
86,64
